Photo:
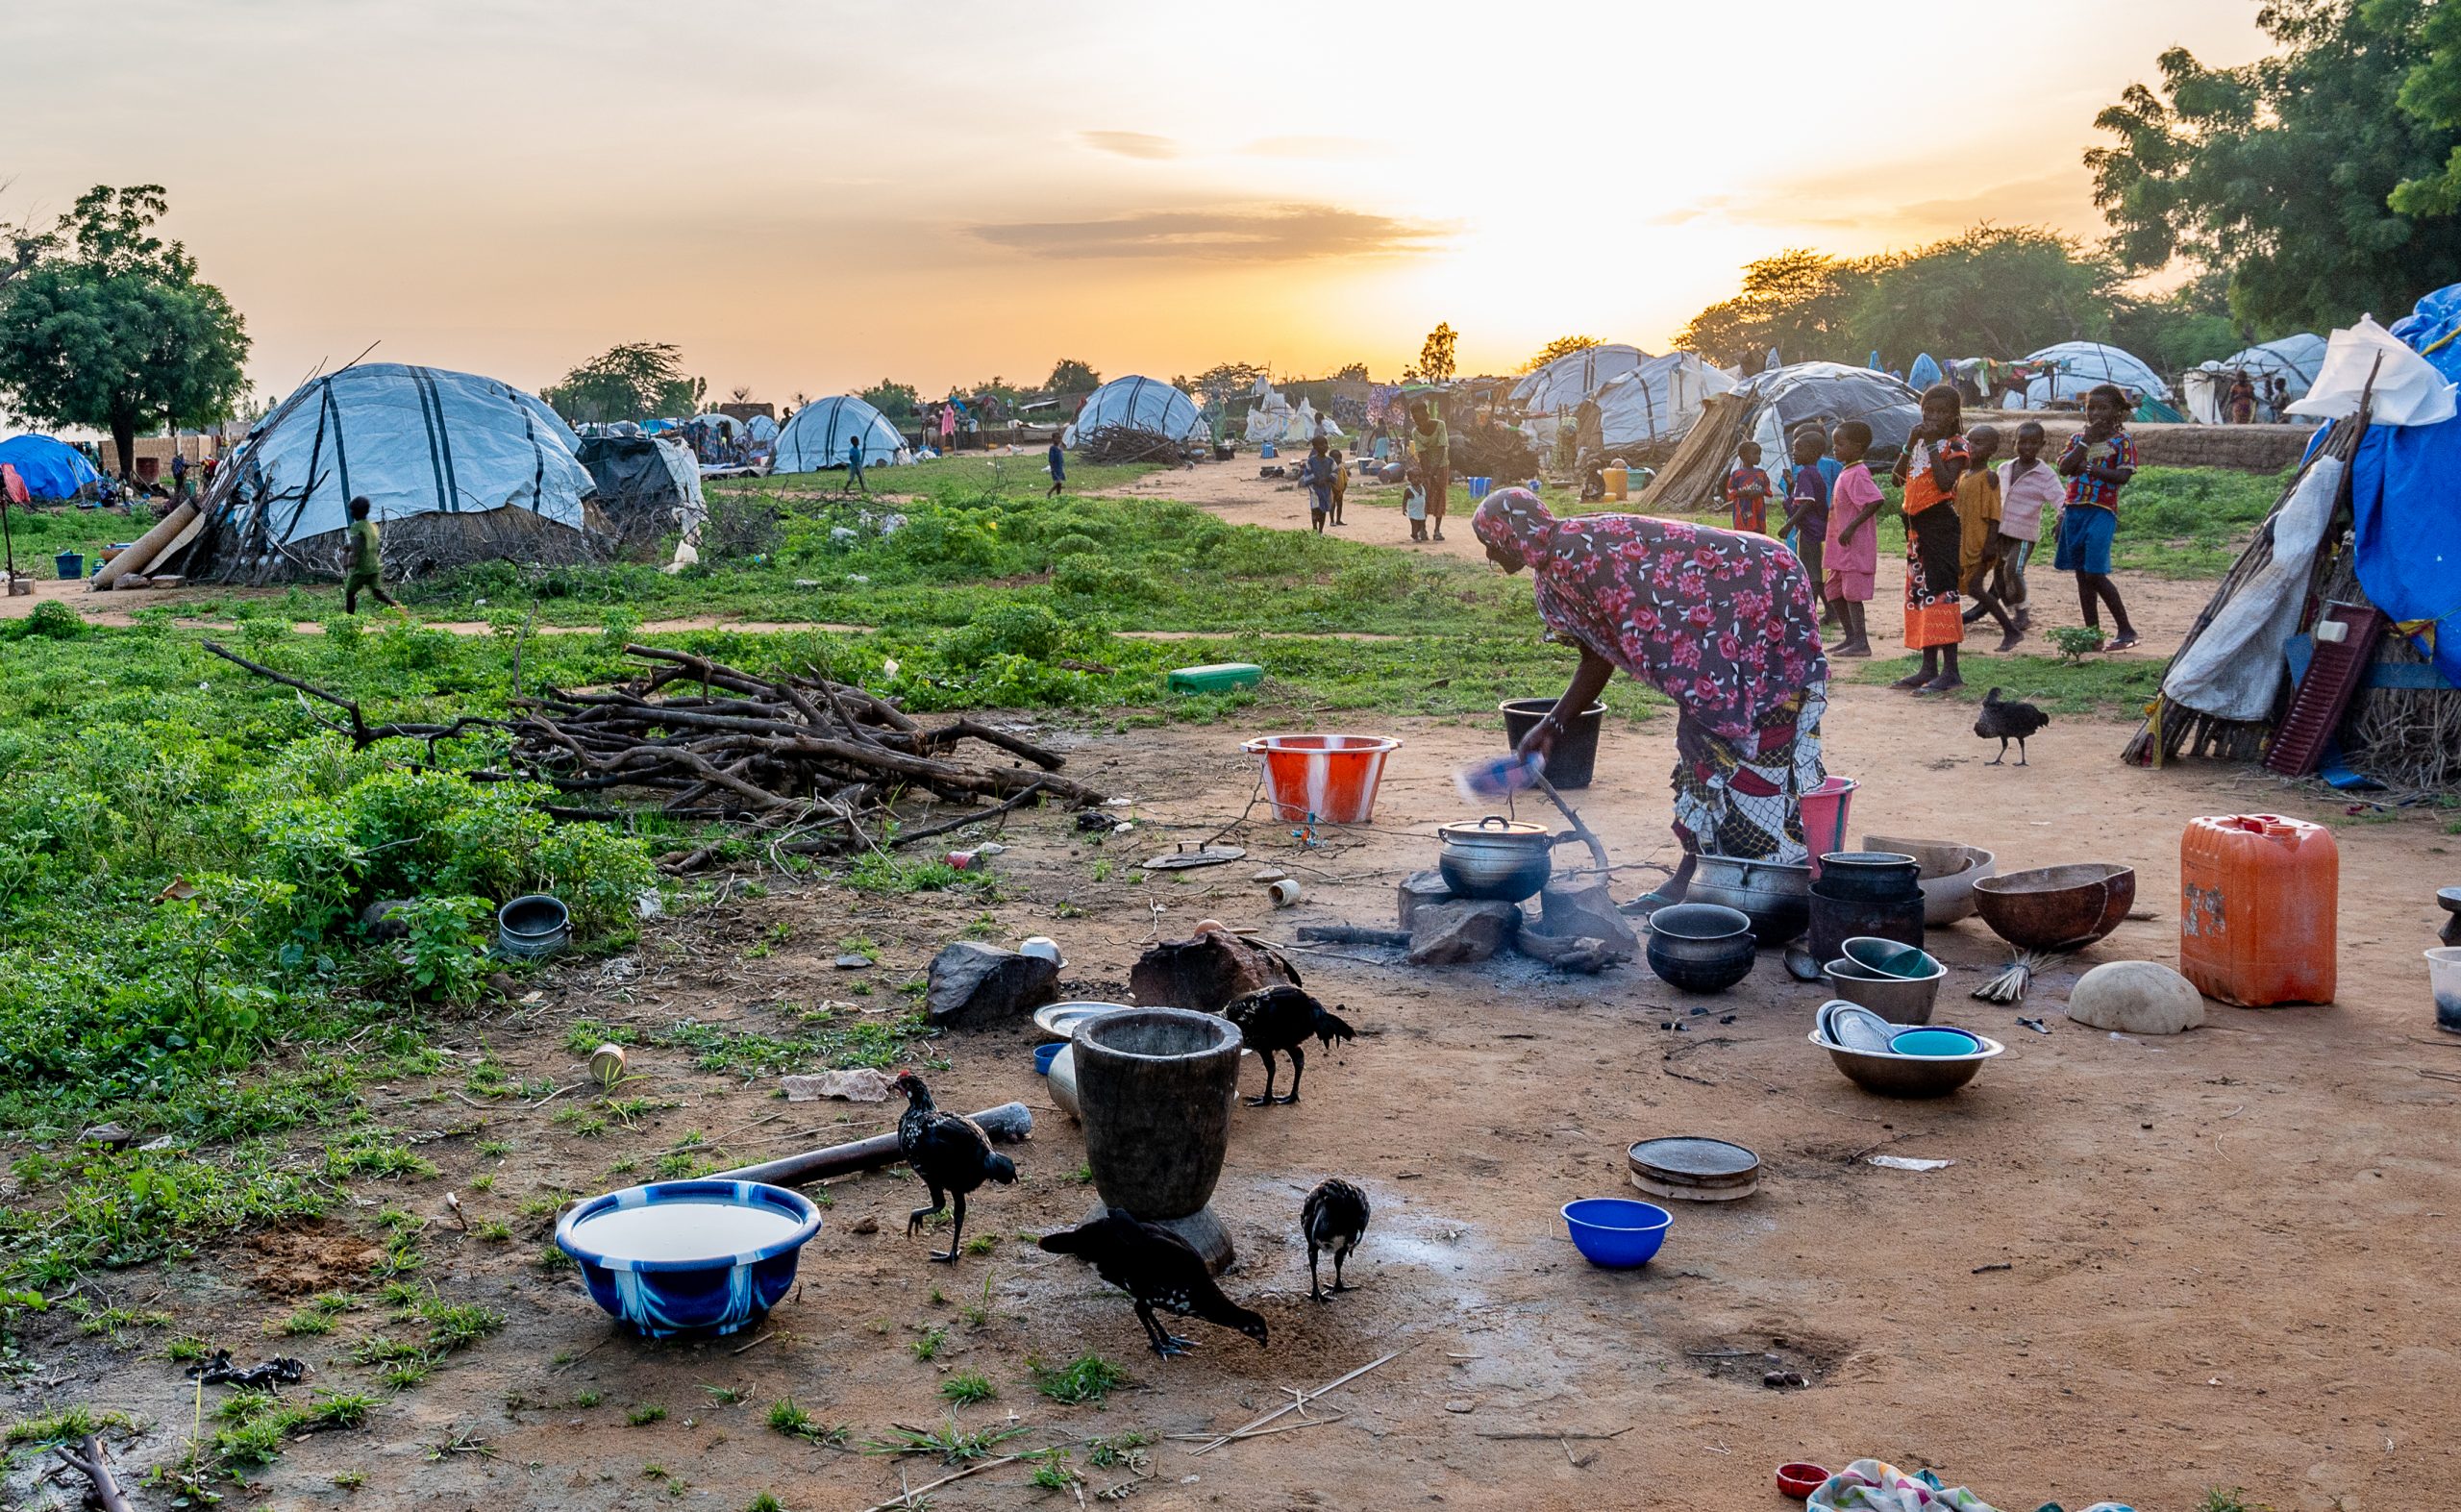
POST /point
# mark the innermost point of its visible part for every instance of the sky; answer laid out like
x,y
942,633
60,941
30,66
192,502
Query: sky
x,y
808,197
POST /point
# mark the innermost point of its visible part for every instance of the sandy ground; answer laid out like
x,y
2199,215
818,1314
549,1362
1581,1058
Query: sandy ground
x,y
2154,1265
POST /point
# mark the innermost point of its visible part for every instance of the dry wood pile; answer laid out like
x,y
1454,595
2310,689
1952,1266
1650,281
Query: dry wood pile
x,y
1124,443
817,767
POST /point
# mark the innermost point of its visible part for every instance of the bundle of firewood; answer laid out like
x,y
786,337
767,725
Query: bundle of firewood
x,y
807,757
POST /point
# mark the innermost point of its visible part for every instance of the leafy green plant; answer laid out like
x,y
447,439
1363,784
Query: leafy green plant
x,y
2074,642
929,1346
1087,1378
644,1414
950,1444
967,1388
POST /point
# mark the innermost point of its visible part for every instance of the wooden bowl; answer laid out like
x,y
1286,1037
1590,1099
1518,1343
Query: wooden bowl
x,y
2057,907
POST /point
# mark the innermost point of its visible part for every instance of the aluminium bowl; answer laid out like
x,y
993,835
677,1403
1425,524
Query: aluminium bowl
x,y
1908,1076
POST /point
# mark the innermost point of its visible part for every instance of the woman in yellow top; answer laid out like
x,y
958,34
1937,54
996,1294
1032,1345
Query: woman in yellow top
x,y
1432,441
1930,467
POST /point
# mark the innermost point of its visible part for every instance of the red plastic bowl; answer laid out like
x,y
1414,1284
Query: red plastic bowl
x,y
1799,1480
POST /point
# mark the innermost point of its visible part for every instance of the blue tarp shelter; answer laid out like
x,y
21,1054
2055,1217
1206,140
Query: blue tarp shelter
x,y
52,469
2406,505
1924,372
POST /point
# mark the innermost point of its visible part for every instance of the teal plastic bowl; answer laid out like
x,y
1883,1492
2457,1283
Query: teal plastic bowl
x,y
1933,1042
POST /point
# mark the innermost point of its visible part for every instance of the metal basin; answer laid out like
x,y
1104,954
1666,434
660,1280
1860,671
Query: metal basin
x,y
1947,872
1776,897
1896,998
2057,907
1908,1076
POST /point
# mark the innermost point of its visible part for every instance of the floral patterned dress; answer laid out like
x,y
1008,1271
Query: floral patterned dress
x,y
1721,623
1934,614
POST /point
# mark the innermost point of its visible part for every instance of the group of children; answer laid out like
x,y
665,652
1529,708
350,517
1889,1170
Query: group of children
x,y
1327,483
1971,529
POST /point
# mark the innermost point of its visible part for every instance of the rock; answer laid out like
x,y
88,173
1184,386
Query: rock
x,y
1419,889
970,983
1205,971
1459,933
2136,998
1583,910
377,919
859,1086
111,1136
1578,952
850,961
865,1224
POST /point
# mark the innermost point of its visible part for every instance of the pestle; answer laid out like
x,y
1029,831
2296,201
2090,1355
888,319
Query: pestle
x,y
1009,1122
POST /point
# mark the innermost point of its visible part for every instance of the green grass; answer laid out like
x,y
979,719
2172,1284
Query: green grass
x,y
950,1444
2104,686
968,1388
1087,1378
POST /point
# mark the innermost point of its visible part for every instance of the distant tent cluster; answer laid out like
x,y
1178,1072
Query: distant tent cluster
x,y
50,469
1769,408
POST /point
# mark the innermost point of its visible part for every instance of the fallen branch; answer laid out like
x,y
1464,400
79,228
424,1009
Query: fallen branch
x,y
1299,1399
91,1465
905,1499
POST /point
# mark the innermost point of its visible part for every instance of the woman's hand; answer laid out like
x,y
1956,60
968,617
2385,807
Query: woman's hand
x,y
1540,742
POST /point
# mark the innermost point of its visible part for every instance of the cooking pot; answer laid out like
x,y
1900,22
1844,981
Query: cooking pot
x,y
1496,857
1776,898
1869,876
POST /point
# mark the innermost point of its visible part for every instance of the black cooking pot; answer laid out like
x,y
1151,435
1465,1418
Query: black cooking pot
x,y
1879,876
1496,857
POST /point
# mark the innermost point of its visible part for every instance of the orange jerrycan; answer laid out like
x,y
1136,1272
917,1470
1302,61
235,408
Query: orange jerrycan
x,y
2258,894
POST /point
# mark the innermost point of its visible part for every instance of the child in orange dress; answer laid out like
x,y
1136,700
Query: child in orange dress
x,y
1930,467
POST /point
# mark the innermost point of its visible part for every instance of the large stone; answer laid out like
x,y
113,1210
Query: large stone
x,y
2136,998
1574,910
972,984
1462,931
1567,951
1205,971
1418,890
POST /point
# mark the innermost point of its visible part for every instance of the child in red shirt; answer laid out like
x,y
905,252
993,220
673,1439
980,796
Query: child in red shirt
x,y
1748,492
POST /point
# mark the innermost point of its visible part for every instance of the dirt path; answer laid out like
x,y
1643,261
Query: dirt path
x,y
2224,1252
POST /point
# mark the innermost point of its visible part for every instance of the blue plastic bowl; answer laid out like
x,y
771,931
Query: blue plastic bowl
x,y
1045,1054
1933,1042
670,1286
1617,1232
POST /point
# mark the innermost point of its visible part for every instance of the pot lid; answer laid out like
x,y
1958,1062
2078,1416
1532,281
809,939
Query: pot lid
x,y
1694,1159
1494,826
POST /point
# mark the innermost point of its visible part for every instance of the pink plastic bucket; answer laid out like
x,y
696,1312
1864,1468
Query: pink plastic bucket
x,y
1322,779
1824,818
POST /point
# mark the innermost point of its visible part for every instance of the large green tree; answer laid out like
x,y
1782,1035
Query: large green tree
x,y
2320,178
637,380
1794,302
106,324
1561,346
1072,376
893,399
1993,291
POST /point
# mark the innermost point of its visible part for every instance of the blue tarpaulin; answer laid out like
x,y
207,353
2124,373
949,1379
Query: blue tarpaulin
x,y
1924,372
51,469
2406,491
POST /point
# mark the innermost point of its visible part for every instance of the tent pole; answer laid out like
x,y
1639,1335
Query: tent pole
x,y
9,538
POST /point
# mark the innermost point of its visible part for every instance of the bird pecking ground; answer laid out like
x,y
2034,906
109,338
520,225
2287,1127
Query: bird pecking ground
x,y
2153,1267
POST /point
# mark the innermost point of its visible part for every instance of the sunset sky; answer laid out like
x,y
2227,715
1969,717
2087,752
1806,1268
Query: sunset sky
x,y
808,197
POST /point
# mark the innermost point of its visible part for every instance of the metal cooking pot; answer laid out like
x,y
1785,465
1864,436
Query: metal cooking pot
x,y
1496,857
1775,897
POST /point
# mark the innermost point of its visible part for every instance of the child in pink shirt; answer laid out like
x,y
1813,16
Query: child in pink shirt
x,y
1850,555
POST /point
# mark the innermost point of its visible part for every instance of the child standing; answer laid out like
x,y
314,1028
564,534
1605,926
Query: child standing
x,y
2027,486
1934,459
1748,492
1414,500
1317,474
1978,513
2097,463
1807,524
1341,485
1850,553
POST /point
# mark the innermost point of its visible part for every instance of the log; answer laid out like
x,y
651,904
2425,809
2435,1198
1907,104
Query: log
x,y
88,1461
1009,1123
142,554
1353,934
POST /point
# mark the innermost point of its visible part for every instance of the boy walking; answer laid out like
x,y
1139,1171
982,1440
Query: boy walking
x,y
1057,461
2097,463
1748,492
2027,488
1433,439
1978,514
366,561
1317,473
855,467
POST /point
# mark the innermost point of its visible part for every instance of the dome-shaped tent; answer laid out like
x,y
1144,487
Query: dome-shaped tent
x,y
50,468
1575,376
2294,360
460,468
2070,369
1146,404
816,436
1657,402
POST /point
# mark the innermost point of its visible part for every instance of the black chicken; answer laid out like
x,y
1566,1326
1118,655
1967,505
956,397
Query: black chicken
x,y
1283,1018
1157,1268
1334,1217
2009,721
947,1151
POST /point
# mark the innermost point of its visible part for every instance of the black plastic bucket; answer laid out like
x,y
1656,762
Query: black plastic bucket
x,y
1573,760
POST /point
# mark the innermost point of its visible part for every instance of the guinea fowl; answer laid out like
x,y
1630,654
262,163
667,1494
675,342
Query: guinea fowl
x,y
1283,1018
1156,1269
950,1153
2009,721
1334,1217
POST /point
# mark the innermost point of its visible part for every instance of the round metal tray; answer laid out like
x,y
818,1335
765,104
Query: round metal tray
x,y
1691,1168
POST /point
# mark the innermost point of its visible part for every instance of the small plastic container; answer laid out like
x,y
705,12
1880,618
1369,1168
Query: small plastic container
x,y
1616,1233
2444,979
71,565
1824,811
2258,895
1619,482
1219,676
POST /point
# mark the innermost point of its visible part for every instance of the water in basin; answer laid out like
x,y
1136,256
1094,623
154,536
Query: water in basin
x,y
683,1230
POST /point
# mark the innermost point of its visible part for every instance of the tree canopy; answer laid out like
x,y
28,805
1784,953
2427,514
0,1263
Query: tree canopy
x,y
637,380
1435,356
893,399
1221,383
2321,178
1071,376
106,324
1561,346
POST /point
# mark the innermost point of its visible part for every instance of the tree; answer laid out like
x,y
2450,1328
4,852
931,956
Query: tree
x,y
2319,178
1223,381
1435,356
893,399
1561,346
1795,302
1990,291
1070,376
108,325
637,380
2191,324
1350,373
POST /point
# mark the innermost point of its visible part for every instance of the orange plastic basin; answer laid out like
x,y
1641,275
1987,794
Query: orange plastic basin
x,y
2259,896
1323,779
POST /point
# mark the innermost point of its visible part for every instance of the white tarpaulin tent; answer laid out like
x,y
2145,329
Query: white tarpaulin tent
x,y
1570,379
1137,403
2076,368
763,427
1656,401
1270,419
2294,360
817,435
416,440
